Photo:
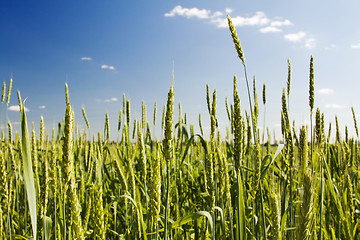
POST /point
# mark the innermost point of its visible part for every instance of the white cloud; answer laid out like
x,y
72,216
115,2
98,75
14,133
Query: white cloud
x,y
280,23
114,99
310,43
259,19
86,58
16,108
270,29
220,22
188,12
355,46
295,37
335,106
104,66
228,10
326,91
217,18
217,14
42,107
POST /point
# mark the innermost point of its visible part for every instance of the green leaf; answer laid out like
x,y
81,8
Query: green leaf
x,y
27,167
47,227
278,150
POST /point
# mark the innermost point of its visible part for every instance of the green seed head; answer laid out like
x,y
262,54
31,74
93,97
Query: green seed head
x,y
9,92
85,118
3,92
155,113
311,85
10,131
264,94
208,98
289,78
128,112
200,125
355,124
236,40
119,122
167,142
67,94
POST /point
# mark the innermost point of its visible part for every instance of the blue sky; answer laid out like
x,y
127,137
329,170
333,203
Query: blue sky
x,y
104,49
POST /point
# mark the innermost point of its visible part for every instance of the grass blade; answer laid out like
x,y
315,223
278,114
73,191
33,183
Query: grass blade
x,y
27,167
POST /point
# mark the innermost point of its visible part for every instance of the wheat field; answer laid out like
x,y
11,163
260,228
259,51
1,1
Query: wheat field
x,y
237,185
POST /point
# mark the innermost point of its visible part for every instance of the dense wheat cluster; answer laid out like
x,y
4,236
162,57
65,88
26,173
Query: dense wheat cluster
x,y
239,185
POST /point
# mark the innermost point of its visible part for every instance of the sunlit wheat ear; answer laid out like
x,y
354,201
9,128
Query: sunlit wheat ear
x,y
9,92
67,94
264,94
34,157
213,119
208,98
237,129
42,133
143,115
306,215
355,124
274,205
303,151
72,208
119,121
289,79
167,142
134,128
155,189
236,40
85,118
142,155
168,147
329,133
338,136
4,193
107,128
163,118
10,131
155,112
200,125
128,112
3,92
311,85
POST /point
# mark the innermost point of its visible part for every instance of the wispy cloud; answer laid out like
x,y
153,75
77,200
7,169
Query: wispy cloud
x,y
42,107
326,91
86,58
334,106
259,20
355,46
270,29
114,99
278,23
295,37
228,10
218,18
16,108
104,66
188,12
310,43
